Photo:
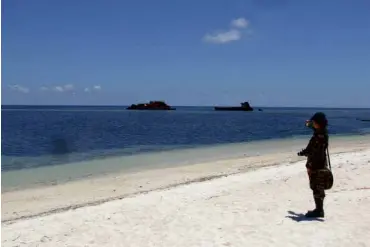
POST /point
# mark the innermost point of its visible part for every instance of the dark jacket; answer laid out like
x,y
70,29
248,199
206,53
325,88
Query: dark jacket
x,y
316,150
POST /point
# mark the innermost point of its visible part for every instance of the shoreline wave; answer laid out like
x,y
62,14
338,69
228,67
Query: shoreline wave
x,y
16,163
92,192
73,171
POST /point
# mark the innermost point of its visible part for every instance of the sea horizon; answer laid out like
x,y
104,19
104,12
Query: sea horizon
x,y
9,106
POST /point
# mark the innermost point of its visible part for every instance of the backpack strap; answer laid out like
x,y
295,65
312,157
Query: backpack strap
x,y
327,152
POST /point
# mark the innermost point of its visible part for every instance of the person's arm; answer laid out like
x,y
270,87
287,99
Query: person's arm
x,y
308,149
317,144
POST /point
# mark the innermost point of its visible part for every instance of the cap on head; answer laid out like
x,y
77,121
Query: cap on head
x,y
320,119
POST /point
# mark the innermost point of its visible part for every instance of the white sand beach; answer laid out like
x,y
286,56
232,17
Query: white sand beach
x,y
248,207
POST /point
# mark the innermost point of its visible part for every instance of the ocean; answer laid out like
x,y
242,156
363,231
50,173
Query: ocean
x,y
58,136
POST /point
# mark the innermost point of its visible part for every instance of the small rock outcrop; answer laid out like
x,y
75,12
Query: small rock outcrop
x,y
152,105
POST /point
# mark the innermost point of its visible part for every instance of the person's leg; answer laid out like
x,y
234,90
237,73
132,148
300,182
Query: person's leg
x,y
319,196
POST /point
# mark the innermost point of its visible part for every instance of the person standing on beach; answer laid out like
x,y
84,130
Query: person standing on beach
x,y
317,160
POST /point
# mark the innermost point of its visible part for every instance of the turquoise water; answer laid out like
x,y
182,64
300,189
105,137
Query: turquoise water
x,y
35,136
49,175
60,144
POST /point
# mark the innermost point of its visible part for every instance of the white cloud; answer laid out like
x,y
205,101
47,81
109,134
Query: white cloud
x,y
64,88
239,23
69,87
19,88
93,88
233,34
223,37
59,89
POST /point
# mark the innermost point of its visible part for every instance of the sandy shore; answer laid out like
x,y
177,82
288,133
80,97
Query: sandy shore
x,y
260,207
48,199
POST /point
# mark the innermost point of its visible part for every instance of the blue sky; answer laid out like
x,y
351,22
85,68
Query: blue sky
x,y
268,52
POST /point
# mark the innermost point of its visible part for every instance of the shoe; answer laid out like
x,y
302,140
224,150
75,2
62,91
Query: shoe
x,y
318,212
315,214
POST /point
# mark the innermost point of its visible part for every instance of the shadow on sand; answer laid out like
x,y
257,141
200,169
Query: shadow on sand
x,y
300,217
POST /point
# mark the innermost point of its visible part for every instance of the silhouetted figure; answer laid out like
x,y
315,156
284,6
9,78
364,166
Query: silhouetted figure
x,y
317,161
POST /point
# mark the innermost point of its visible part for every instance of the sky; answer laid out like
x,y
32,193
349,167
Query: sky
x,y
119,52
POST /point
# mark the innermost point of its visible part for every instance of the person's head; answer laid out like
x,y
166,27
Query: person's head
x,y
318,121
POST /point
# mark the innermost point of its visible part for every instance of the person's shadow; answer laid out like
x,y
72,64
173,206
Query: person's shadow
x,y
301,217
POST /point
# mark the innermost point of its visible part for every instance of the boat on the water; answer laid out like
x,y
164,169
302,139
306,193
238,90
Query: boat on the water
x,y
152,105
243,107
